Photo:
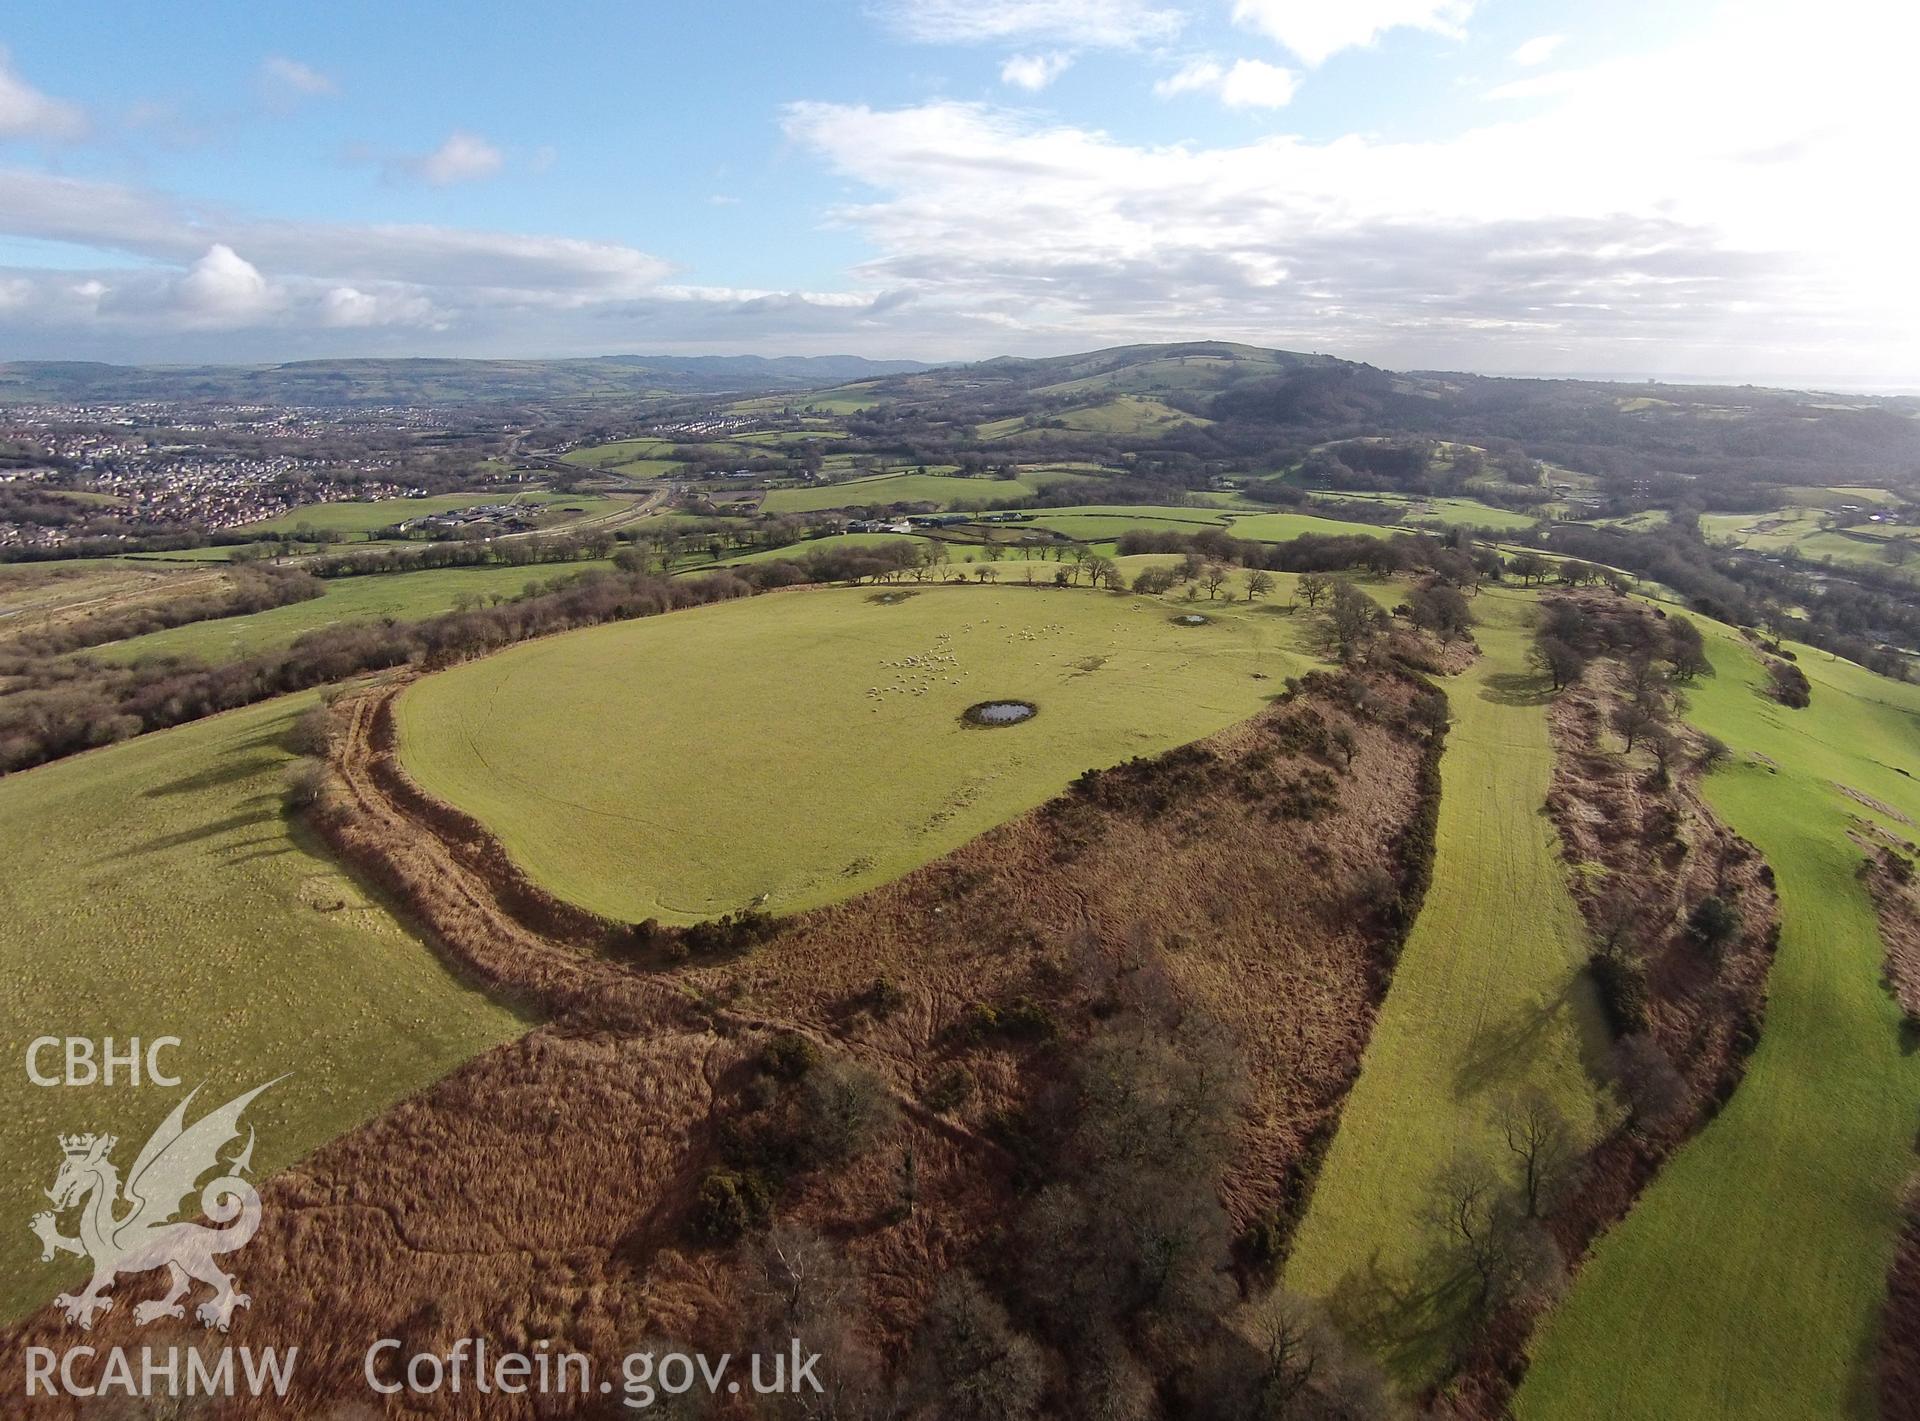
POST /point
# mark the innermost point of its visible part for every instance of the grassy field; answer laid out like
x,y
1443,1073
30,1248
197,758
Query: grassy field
x,y
1748,1280
841,400
621,451
1104,522
1279,527
617,763
33,591
833,542
154,889
405,596
1122,415
363,518
1428,511
1488,996
942,490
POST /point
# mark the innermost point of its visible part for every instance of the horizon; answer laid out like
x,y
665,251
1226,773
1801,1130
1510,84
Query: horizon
x,y
1436,184
1897,389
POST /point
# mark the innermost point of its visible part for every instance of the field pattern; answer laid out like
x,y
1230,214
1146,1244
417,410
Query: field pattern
x,y
618,764
1748,1280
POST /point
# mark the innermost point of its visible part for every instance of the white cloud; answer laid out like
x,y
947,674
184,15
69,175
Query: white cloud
x,y
1739,216
463,158
1255,84
1317,29
25,112
1114,24
224,288
1538,50
1246,84
1193,77
349,308
288,80
1033,72
1537,86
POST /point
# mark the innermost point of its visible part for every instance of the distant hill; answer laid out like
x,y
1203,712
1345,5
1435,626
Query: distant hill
x,y
435,382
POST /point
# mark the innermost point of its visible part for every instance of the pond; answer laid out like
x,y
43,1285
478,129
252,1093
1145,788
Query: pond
x,y
994,713
1191,619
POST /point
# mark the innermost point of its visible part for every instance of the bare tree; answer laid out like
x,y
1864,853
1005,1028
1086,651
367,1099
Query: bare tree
x,y
1543,1144
1505,1255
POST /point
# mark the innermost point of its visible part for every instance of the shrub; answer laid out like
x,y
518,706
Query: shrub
x,y
882,999
844,1109
948,1089
1790,685
306,782
789,1056
730,1202
1622,984
736,932
1712,922
310,733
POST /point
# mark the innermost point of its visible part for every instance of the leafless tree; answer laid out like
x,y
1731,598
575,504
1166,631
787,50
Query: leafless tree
x,y
1545,1149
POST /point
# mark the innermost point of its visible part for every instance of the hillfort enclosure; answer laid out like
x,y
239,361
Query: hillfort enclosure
x,y
965,710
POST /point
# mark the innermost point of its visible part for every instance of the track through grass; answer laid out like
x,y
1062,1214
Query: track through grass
x,y
1488,996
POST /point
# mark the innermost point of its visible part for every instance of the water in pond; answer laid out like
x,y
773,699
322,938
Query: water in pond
x,y
1192,619
1001,712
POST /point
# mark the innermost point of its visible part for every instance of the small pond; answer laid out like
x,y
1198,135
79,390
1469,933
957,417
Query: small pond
x,y
1191,619
992,713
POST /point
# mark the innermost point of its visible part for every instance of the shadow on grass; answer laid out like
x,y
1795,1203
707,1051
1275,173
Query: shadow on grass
x,y
1412,1325
1502,1051
1517,688
233,766
206,829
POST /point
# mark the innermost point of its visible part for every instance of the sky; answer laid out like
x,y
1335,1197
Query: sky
x,y
1678,189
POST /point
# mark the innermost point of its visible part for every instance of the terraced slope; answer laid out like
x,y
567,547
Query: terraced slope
x,y
1748,1281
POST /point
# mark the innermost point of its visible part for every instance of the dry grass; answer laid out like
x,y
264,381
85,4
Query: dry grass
x,y
542,1191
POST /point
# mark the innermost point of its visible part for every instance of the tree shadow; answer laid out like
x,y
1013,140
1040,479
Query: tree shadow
x,y
207,829
229,770
1501,1052
1411,1324
1517,688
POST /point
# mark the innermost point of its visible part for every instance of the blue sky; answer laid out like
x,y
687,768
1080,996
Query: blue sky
x,y
1645,188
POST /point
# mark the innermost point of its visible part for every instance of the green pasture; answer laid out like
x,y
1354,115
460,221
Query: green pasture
x,y
363,518
1122,415
1469,511
940,489
615,762
1748,1280
155,888
1489,996
403,596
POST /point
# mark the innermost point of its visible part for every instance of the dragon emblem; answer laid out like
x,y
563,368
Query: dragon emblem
x,y
133,1228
